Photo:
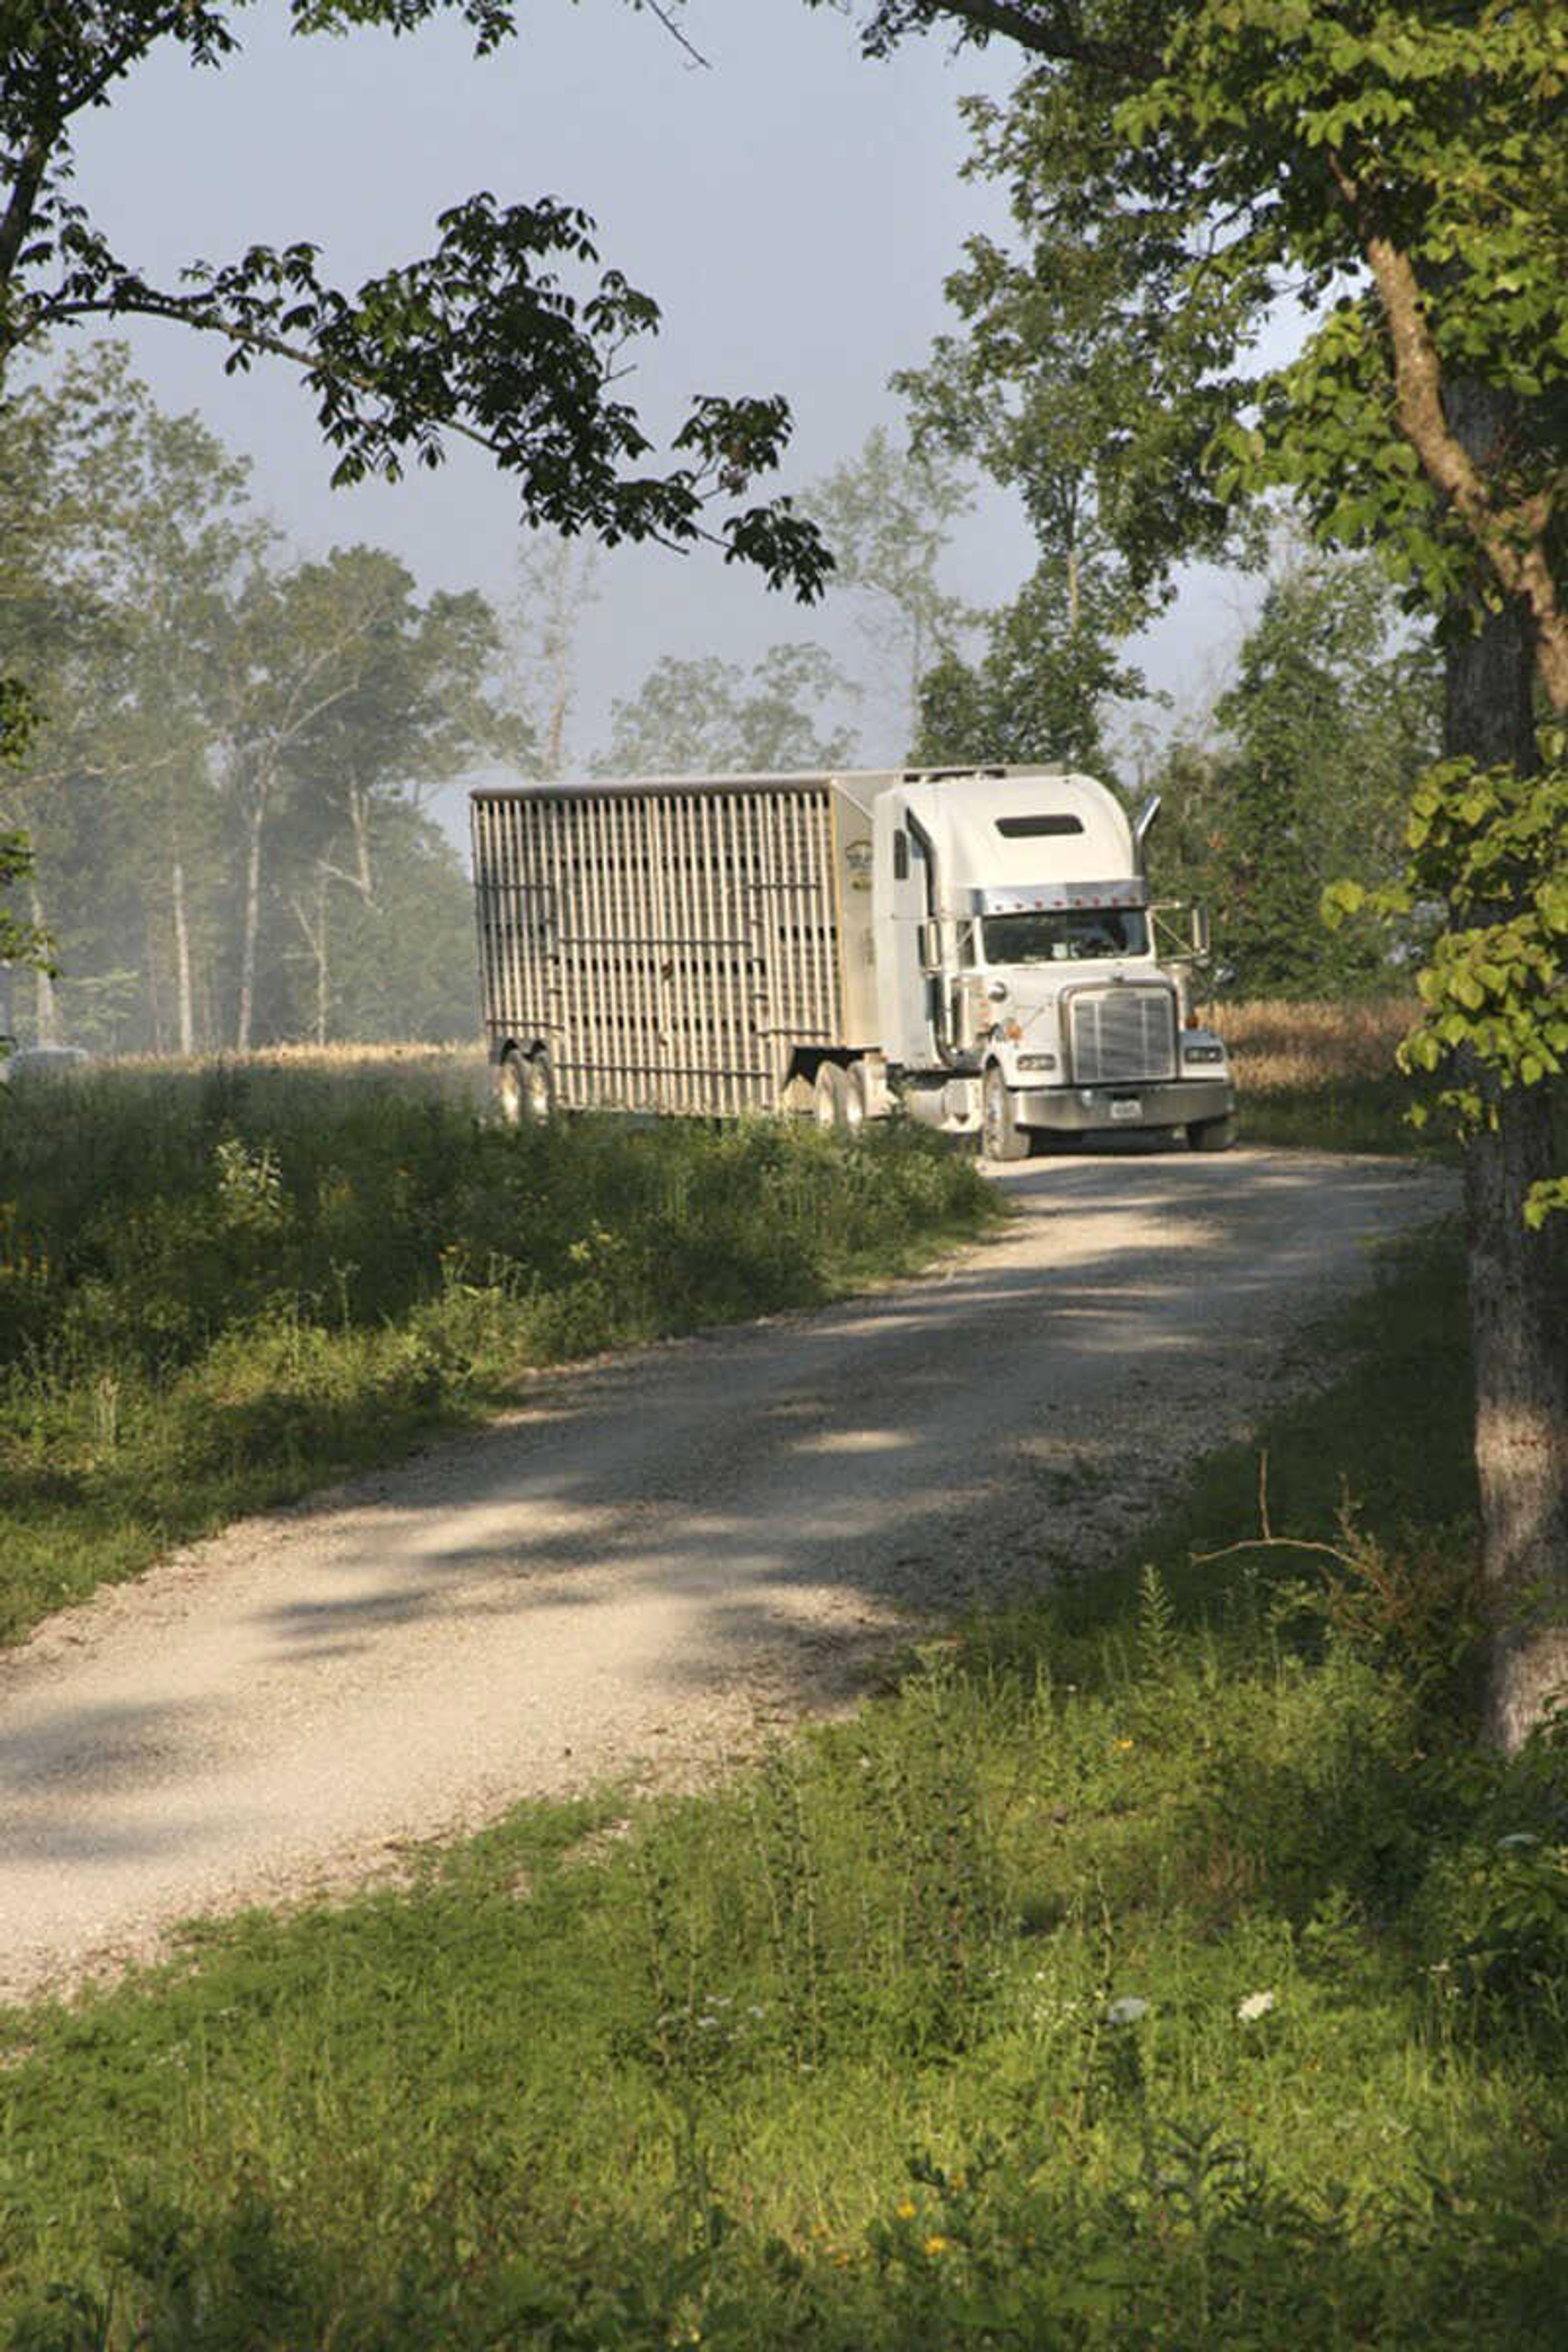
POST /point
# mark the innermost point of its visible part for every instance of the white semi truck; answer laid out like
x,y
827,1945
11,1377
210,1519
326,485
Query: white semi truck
x,y
977,945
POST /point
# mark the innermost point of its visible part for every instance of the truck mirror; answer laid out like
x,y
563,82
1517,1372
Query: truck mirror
x,y
1200,930
930,939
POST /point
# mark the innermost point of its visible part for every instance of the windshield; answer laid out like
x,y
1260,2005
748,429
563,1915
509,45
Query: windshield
x,y
1070,936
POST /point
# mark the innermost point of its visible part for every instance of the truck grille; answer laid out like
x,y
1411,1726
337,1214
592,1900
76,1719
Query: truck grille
x,y
1123,1036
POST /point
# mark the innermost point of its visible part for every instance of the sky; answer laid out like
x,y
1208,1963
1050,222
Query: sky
x,y
793,208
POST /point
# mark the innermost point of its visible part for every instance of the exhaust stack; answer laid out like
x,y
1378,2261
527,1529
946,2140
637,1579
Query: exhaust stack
x,y
1142,827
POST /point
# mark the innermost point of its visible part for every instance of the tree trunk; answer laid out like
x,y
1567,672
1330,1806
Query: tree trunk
x,y
152,946
359,817
1518,1293
46,1003
323,990
251,924
187,1009
1519,1314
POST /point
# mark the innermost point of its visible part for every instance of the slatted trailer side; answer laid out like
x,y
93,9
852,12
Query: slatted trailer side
x,y
664,945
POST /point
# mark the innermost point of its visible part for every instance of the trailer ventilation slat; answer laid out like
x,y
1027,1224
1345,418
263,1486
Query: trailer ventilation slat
x,y
664,946
1123,1036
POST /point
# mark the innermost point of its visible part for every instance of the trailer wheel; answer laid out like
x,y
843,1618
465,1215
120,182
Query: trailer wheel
x,y
525,1089
1212,1134
830,1099
509,1088
860,1090
1002,1137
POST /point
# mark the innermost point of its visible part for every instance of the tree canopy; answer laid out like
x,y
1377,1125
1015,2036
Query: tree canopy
x,y
709,717
1398,169
508,332
224,782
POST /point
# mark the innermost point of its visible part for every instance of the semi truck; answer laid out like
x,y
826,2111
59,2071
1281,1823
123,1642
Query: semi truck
x,y
977,947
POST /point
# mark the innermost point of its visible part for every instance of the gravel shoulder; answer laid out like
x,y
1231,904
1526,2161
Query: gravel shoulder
x,y
659,1561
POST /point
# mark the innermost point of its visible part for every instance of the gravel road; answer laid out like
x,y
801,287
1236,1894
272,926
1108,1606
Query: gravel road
x,y
660,1559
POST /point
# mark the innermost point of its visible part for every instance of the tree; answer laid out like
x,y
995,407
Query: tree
x,y
1080,383
21,943
887,515
327,688
1038,691
403,964
1334,713
221,749
1399,164
706,717
556,585
399,707
479,338
65,462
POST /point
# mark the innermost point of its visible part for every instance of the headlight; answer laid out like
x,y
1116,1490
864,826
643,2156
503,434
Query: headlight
x,y
1203,1053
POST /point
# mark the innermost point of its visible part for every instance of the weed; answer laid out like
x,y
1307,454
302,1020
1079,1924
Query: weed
x,y
1213,1975
221,1286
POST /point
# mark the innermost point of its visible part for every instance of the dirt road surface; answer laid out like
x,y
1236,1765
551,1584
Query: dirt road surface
x,y
657,1560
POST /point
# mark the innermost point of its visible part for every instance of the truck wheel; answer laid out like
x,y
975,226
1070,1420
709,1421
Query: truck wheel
x,y
1212,1134
525,1091
1001,1135
509,1088
830,1099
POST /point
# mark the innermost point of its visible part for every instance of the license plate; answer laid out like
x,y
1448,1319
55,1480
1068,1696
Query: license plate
x,y
1127,1110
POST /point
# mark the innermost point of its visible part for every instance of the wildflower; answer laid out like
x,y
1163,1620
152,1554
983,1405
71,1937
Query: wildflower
x,y
1123,1744
905,2209
1127,2010
936,2245
1255,2005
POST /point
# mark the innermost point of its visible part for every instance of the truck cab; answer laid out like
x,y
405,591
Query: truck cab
x,y
1028,985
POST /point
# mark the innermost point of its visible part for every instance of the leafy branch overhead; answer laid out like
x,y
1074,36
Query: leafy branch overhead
x,y
1397,169
509,334
1491,848
1400,170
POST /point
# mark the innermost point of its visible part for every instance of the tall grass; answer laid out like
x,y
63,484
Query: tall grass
x,y
221,1284
1323,1075
1157,1965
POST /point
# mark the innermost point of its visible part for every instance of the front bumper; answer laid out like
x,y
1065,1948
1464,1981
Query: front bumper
x,y
1082,1110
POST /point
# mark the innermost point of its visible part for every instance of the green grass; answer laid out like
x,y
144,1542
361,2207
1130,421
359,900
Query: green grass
x,y
1352,1114
220,1288
851,2055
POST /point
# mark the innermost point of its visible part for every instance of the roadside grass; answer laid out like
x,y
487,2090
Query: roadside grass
x,y
1157,1964
224,1284
1323,1075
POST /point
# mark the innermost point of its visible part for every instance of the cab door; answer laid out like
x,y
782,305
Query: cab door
x,y
901,899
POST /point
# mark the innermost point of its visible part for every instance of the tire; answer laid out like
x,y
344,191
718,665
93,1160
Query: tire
x,y
1002,1137
830,1098
509,1088
1212,1134
525,1089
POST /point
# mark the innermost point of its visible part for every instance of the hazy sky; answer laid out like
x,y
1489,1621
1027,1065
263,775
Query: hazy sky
x,y
792,209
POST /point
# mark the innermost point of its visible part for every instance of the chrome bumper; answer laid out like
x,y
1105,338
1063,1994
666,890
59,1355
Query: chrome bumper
x,y
1079,1110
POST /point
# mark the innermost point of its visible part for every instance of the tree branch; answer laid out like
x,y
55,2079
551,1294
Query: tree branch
x,y
111,68
1014,20
1512,539
186,310
676,35
19,211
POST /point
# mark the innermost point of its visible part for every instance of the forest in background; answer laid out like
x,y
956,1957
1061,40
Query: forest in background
x,y
228,789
